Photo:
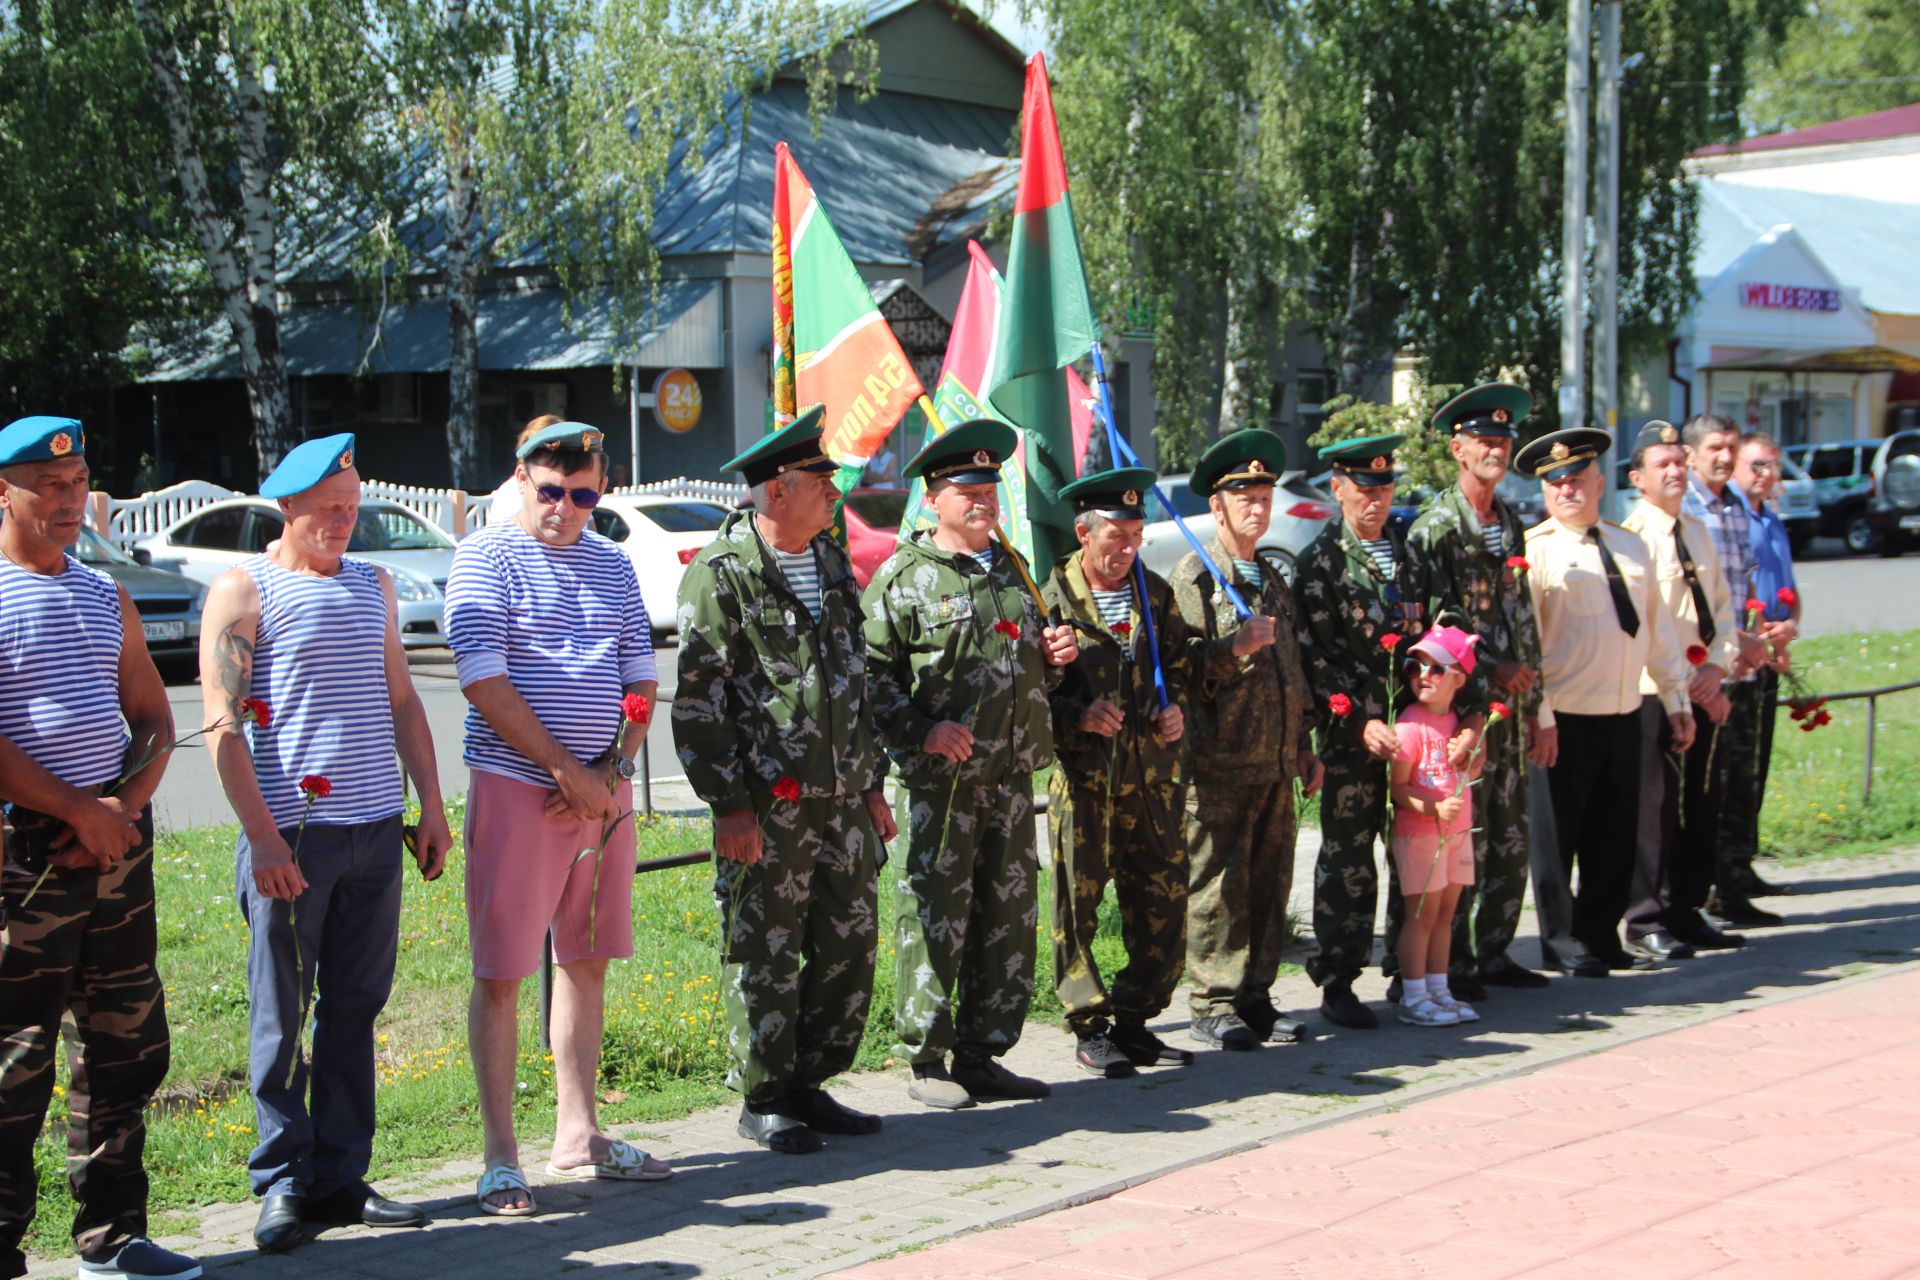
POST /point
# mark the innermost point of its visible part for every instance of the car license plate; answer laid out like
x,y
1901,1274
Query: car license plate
x,y
165,630
1910,522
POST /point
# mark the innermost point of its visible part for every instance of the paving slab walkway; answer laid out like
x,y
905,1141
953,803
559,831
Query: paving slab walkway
x,y
734,1211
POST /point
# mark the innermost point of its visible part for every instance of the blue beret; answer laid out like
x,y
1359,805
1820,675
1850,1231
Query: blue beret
x,y
308,464
41,439
577,436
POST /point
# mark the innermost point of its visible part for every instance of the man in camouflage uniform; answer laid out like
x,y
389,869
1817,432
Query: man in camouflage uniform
x,y
1246,746
1351,591
958,669
1114,807
1461,556
80,705
772,724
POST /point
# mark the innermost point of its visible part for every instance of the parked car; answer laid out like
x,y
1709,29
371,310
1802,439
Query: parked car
x,y
873,528
169,607
661,536
1797,502
1300,511
1893,512
1523,495
207,543
1842,475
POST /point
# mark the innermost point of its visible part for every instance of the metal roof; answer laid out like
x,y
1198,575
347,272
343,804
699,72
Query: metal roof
x,y
1897,122
1865,243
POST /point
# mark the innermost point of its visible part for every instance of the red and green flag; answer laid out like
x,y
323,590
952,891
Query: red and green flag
x,y
1046,321
831,345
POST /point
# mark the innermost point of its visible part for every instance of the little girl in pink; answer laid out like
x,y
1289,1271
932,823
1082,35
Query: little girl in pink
x,y
1432,841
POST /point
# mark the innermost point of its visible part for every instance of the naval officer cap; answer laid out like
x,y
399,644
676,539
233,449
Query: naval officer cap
x,y
564,437
306,465
1239,461
1563,453
1119,494
1490,409
41,439
1367,461
970,452
795,447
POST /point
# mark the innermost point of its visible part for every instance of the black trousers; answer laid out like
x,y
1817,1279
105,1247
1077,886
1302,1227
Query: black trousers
x,y
1746,741
1679,820
1594,784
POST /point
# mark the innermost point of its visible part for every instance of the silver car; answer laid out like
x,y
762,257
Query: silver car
x,y
1300,511
204,545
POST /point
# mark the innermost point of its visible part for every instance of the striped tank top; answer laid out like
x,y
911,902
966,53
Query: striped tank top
x,y
319,662
60,671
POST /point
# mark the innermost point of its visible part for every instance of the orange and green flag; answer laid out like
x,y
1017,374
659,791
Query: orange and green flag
x,y
831,345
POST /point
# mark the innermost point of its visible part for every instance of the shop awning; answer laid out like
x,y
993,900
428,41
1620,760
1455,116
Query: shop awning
x,y
1870,359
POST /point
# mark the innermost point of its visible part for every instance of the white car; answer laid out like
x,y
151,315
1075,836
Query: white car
x,y
214,539
661,536
1300,511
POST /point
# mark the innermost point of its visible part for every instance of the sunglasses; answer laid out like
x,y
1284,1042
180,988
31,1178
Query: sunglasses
x,y
550,494
1421,662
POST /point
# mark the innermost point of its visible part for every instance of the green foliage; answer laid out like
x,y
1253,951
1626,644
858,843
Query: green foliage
x,y
1837,58
1424,460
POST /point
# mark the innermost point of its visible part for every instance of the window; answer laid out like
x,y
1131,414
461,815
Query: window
x,y
1835,463
684,517
609,525
216,530
395,529
262,529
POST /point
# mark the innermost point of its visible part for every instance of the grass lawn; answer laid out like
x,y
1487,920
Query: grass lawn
x,y
665,1048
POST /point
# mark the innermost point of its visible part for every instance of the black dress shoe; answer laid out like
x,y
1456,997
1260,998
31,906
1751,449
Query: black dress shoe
x,y
1342,1008
1754,887
1742,911
1621,960
361,1203
278,1228
1585,965
1289,1031
1465,985
777,1131
1662,945
823,1113
1259,1016
1509,973
1696,932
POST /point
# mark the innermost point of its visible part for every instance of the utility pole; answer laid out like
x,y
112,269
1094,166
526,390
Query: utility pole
x,y
1606,241
1573,238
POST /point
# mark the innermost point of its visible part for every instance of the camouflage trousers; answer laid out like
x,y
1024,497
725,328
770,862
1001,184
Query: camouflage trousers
x,y
1240,842
798,934
968,904
84,950
1489,912
1127,837
1346,880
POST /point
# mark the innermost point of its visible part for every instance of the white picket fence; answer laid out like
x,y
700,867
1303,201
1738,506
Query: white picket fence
x,y
127,520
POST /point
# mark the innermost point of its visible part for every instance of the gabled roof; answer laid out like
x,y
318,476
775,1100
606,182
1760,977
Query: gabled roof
x,y
1862,242
1897,122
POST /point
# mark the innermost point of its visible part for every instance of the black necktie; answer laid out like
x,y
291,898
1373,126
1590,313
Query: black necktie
x,y
1701,608
1622,605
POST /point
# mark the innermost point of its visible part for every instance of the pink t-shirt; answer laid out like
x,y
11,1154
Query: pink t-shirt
x,y
1423,742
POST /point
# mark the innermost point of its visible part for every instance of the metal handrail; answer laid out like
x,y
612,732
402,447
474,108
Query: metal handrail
x,y
1873,697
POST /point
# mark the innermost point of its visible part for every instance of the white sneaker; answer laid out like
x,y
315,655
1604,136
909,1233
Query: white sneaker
x,y
1462,1011
1427,1013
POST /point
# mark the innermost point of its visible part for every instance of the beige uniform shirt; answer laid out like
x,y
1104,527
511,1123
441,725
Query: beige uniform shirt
x,y
1589,665
1655,528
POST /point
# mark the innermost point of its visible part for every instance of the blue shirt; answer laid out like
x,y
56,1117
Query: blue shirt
x,y
565,625
1772,562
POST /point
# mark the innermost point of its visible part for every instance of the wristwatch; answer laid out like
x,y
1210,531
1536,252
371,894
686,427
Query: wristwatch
x,y
624,768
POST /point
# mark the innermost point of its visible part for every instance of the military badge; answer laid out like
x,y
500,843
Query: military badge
x,y
346,459
1131,497
983,458
1559,451
1256,467
1380,463
61,445
590,439
1669,436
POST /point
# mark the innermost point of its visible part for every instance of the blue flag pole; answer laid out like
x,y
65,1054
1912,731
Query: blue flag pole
x,y
1119,449
1123,455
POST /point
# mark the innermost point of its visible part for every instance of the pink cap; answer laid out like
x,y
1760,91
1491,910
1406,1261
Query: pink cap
x,y
1449,646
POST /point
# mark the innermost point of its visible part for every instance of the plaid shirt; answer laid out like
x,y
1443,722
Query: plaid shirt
x,y
1731,523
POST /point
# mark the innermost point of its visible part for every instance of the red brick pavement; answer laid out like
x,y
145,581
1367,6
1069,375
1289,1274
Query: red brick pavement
x,y
1784,1141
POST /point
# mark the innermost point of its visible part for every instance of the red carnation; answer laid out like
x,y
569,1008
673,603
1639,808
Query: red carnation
x,y
1500,711
1518,564
316,787
637,708
1788,597
1008,628
787,788
1754,606
1340,704
255,710
1390,641
1697,654
1123,629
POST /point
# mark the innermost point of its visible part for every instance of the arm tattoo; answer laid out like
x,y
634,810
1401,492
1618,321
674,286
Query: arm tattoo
x,y
233,664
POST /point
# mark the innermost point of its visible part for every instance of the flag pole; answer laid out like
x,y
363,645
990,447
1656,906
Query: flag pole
x,y
1119,449
1019,564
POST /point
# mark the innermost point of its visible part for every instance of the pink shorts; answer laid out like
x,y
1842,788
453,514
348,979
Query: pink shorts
x,y
523,878
1424,867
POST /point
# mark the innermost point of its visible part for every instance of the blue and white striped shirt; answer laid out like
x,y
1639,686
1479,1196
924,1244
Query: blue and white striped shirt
x,y
60,671
565,625
320,664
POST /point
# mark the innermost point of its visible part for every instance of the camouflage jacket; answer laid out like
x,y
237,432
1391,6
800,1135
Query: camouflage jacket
x,y
1452,570
1118,669
933,654
1248,715
1343,606
762,693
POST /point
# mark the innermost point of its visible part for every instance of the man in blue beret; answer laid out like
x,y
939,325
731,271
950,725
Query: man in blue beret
x,y
84,729
314,635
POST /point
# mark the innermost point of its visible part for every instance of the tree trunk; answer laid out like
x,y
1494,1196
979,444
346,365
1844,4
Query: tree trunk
x,y
463,276
274,429
1356,321
246,305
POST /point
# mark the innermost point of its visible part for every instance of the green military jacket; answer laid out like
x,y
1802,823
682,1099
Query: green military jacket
x,y
763,693
1248,715
1120,670
1452,570
933,654
1343,606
